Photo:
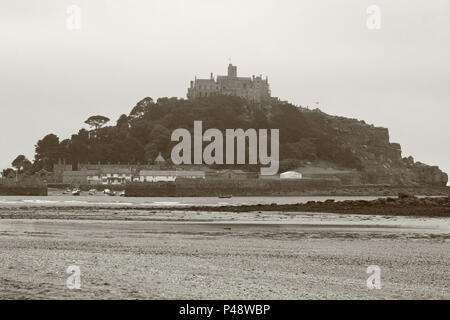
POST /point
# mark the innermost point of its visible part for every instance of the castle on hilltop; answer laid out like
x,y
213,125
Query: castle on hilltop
x,y
253,88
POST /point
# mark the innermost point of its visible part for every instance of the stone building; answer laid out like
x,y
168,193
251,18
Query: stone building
x,y
77,177
253,88
229,174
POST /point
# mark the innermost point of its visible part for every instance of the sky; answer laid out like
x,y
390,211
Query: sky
x,y
53,75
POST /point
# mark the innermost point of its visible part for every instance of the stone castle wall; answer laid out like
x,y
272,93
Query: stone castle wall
x,y
250,88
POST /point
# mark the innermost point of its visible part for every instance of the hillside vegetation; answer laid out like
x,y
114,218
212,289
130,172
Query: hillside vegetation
x,y
307,137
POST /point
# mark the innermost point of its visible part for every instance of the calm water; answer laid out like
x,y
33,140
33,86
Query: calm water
x,y
104,200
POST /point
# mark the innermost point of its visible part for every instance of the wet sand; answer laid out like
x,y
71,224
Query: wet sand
x,y
406,205
219,255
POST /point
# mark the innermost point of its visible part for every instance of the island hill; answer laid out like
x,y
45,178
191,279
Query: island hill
x,y
319,150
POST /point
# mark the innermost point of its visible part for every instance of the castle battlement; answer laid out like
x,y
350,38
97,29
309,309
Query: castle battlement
x,y
251,88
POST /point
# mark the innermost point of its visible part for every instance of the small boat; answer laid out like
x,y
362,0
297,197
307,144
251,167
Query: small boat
x,y
76,192
225,196
109,192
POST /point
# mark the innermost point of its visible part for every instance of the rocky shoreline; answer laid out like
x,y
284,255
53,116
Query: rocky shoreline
x,y
404,205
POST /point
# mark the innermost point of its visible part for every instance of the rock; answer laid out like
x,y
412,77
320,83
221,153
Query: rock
x,y
402,195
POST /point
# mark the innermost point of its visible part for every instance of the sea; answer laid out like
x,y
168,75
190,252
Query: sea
x,y
104,200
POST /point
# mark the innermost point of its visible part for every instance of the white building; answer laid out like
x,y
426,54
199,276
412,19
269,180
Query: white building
x,y
157,175
168,175
291,175
109,176
190,174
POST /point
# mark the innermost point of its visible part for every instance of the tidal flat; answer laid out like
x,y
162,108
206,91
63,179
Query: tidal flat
x,y
165,254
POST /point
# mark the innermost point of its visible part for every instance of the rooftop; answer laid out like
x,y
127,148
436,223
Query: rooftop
x,y
177,173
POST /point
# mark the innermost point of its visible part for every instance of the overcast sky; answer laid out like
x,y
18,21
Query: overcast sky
x,y
53,78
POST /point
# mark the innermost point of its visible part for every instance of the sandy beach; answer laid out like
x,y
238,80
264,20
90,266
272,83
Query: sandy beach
x,y
221,255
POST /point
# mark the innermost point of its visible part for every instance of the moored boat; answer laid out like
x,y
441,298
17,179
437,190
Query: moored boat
x,y
109,192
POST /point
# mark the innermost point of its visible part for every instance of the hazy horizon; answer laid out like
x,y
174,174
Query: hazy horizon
x,y
398,77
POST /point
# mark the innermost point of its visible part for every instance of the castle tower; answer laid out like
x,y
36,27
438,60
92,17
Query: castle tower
x,y
232,71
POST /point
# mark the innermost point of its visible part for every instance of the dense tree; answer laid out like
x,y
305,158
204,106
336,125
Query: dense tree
x,y
48,152
97,122
123,122
22,164
141,108
8,172
159,141
78,147
304,135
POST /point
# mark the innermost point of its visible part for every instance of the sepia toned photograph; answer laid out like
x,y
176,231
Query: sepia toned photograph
x,y
215,151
